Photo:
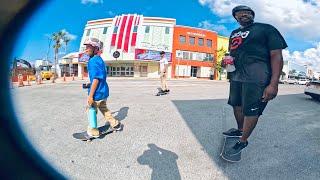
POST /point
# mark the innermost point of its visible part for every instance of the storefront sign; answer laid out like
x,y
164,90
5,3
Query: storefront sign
x,y
156,47
196,34
143,54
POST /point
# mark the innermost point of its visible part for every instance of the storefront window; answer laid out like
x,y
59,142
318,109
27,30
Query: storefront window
x,y
105,29
191,40
115,30
200,41
88,32
182,39
167,30
147,30
209,42
185,55
135,28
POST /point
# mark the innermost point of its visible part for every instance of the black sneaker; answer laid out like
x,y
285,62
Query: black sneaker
x,y
237,148
233,133
118,127
167,90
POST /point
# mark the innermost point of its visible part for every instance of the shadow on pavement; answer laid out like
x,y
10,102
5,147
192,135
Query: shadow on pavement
x,y
121,114
162,162
284,145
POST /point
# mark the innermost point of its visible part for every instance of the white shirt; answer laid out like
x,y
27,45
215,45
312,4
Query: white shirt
x,y
163,62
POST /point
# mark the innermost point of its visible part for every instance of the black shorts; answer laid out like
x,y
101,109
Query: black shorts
x,y
248,96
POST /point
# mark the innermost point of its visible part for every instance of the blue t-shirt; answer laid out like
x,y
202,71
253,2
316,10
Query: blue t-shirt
x,y
97,70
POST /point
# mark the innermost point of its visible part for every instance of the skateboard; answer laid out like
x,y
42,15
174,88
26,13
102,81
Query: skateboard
x,y
229,142
161,93
104,130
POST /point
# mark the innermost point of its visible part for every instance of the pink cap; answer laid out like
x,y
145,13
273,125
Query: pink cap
x,y
93,42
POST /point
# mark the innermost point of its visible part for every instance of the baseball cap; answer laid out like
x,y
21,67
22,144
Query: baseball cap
x,y
93,42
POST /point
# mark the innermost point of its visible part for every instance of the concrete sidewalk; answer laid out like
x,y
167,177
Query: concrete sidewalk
x,y
177,136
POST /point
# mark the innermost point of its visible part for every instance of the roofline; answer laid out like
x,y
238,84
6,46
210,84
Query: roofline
x,y
225,37
144,17
195,28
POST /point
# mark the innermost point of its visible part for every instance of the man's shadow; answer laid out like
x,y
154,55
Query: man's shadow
x,y
162,162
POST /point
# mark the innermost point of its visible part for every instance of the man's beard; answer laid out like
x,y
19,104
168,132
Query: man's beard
x,y
246,23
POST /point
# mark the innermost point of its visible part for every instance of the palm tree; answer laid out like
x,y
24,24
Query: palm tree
x,y
57,37
66,40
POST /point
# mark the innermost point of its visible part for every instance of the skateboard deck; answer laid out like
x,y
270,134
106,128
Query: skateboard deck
x,y
229,142
161,93
104,130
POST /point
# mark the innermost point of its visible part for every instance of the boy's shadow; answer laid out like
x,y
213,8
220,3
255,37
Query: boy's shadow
x,y
121,115
162,162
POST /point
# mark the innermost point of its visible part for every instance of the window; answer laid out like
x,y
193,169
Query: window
x,y
88,32
135,28
191,55
209,42
167,30
147,29
105,29
208,57
200,41
191,40
115,30
185,55
182,39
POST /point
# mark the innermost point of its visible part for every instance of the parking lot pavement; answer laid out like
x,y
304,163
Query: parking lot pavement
x,y
177,136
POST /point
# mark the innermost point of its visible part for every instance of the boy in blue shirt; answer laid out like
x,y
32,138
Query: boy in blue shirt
x,y
99,90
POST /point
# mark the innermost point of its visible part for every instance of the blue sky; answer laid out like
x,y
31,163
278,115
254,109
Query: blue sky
x,y
72,15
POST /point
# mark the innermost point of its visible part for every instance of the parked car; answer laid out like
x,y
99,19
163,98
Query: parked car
x,y
303,81
313,89
291,81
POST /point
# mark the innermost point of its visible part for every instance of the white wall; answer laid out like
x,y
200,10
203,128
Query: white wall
x,y
205,72
156,39
183,70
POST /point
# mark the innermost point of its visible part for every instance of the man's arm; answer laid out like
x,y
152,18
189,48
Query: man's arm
x,y
276,60
166,68
93,87
276,66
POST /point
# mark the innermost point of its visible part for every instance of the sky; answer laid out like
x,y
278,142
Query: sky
x,y
297,20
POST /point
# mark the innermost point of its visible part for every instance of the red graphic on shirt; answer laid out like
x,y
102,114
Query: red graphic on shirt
x,y
235,42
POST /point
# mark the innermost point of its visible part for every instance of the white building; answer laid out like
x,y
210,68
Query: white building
x,y
68,64
138,39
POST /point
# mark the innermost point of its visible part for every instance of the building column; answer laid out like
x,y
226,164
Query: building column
x,y
80,70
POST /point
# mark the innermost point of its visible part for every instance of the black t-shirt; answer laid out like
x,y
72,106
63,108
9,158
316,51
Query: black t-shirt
x,y
250,47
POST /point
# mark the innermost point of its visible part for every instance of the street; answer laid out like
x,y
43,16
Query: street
x,y
177,136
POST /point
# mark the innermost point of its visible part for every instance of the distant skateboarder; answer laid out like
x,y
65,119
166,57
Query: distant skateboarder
x,y
163,73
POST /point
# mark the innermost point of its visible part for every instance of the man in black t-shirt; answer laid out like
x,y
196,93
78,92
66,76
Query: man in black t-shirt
x,y
256,49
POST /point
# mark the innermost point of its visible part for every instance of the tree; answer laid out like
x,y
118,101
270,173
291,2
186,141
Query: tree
x,y
57,37
217,65
66,40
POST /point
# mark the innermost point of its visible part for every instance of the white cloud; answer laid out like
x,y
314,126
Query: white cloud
x,y
110,13
294,18
206,24
310,57
69,35
91,1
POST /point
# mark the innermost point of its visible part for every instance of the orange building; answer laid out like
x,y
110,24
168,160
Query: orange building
x,y
194,52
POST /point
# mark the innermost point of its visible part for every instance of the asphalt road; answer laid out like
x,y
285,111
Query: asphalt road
x,y
177,136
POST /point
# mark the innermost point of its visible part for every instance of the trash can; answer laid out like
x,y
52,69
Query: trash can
x,y
211,77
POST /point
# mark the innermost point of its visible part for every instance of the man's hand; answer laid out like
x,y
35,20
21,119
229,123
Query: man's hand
x,y
270,92
90,101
